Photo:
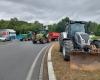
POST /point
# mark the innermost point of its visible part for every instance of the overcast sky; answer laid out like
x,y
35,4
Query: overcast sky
x,y
49,11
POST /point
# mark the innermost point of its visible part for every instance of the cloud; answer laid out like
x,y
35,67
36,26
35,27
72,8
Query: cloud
x,y
51,10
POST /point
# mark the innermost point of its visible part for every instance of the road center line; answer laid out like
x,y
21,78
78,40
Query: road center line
x,y
29,76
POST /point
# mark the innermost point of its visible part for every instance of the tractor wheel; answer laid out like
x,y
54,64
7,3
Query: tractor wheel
x,y
97,43
66,57
34,42
67,48
43,41
60,48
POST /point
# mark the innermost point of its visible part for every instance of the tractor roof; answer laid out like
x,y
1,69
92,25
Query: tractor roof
x,y
81,22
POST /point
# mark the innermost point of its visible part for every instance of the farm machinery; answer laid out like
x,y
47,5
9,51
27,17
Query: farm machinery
x,y
40,37
77,41
43,36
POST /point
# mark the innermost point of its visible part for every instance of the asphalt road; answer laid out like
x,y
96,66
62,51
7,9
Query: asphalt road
x,y
17,58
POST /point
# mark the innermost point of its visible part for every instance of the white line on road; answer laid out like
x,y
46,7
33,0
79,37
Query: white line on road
x,y
29,76
51,73
41,69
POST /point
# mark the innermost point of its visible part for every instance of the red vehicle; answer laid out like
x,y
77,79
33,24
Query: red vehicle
x,y
52,36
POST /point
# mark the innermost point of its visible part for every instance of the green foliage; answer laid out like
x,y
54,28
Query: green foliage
x,y
60,26
94,27
52,28
24,27
20,26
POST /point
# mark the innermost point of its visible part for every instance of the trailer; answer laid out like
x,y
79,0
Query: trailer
x,y
52,36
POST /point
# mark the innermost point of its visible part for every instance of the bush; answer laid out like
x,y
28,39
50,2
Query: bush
x,y
97,33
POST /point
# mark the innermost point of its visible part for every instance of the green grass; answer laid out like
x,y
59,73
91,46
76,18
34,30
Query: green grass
x,y
98,37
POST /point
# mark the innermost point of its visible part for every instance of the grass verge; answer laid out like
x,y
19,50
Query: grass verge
x,y
45,68
61,67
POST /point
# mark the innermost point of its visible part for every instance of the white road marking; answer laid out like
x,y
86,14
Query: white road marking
x,y
41,69
29,76
51,73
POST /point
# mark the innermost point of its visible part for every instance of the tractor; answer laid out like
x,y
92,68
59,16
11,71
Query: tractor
x,y
40,37
77,40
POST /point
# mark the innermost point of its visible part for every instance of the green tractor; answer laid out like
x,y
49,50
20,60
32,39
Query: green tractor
x,y
40,37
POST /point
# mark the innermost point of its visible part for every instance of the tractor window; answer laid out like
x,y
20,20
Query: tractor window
x,y
77,27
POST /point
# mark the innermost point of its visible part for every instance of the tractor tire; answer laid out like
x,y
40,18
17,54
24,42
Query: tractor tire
x,y
43,41
61,48
34,42
97,43
67,48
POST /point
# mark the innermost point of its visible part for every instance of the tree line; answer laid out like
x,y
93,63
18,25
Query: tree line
x,y
20,26
60,26
24,27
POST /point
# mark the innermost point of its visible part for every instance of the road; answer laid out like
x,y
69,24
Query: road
x,y
17,58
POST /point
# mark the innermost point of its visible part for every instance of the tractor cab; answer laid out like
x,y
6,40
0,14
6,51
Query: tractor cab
x,y
75,26
76,32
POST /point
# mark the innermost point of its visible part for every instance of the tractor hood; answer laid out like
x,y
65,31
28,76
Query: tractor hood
x,y
82,39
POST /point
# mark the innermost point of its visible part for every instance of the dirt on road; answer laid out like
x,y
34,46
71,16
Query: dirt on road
x,y
81,67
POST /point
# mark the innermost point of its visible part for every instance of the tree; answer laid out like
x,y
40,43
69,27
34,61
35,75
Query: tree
x,y
62,24
24,27
37,26
12,23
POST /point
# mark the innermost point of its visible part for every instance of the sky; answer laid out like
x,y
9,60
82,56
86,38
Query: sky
x,y
50,11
